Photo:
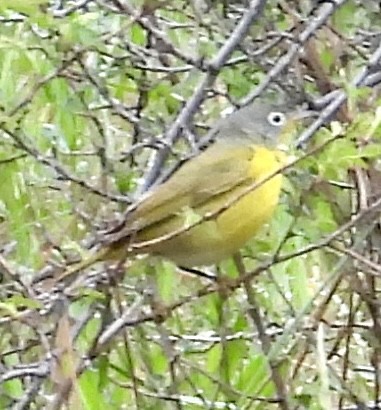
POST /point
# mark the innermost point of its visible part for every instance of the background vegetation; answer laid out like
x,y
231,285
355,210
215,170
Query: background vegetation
x,y
98,99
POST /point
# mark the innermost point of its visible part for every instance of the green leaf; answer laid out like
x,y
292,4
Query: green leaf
x,y
80,29
213,359
19,301
138,34
253,375
125,181
29,7
167,281
327,58
91,396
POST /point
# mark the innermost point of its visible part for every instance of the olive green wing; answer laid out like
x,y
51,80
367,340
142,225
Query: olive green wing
x,y
216,171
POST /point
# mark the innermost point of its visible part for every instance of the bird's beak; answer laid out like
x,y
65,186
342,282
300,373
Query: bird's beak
x,y
303,115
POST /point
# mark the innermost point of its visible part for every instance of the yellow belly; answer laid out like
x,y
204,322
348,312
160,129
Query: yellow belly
x,y
217,239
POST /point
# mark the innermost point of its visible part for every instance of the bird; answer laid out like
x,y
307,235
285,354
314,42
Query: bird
x,y
214,203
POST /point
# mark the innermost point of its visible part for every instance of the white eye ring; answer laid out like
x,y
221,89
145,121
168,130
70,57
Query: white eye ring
x,y
276,118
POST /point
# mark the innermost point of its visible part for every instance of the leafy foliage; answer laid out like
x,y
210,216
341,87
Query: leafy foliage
x,y
99,100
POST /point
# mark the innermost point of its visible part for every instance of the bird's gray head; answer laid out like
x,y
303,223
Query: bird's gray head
x,y
260,123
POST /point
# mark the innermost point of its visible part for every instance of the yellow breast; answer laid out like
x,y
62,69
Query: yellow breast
x,y
217,239
241,221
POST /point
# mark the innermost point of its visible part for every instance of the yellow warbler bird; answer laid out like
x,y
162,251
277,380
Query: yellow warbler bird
x,y
217,201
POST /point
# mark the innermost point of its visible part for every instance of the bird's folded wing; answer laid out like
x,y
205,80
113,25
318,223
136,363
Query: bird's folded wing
x,y
203,179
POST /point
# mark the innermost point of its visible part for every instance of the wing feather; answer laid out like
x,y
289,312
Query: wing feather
x,y
223,169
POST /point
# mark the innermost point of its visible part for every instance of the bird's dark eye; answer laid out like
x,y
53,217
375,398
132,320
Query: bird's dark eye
x,y
276,119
